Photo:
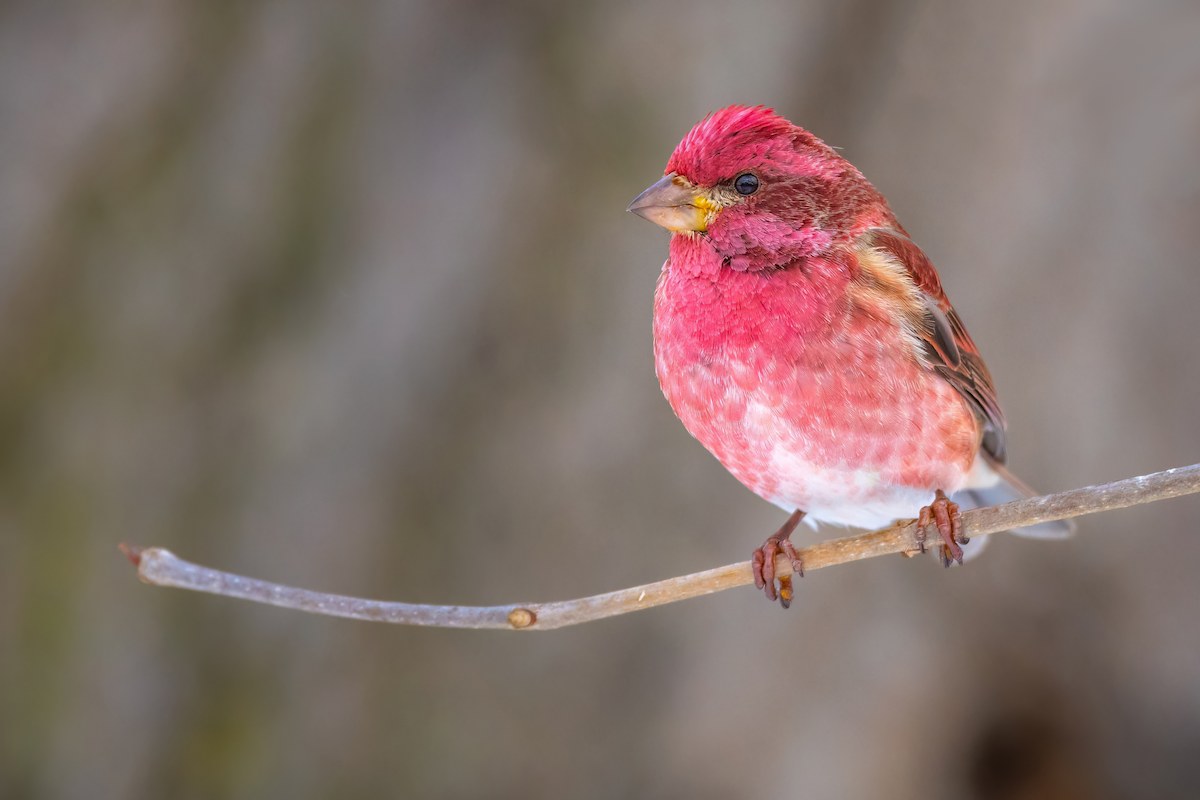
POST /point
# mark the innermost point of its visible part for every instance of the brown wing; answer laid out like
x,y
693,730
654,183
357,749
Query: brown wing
x,y
948,348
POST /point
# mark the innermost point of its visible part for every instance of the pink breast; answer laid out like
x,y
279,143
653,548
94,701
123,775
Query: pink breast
x,y
806,400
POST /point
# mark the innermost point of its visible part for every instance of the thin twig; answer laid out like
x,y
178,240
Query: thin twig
x,y
161,567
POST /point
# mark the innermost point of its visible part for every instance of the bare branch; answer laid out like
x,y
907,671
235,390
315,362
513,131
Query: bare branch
x,y
163,568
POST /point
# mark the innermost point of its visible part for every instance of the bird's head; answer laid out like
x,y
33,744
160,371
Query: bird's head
x,y
760,191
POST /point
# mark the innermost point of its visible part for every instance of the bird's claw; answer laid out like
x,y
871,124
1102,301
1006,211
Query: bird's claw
x,y
947,517
763,563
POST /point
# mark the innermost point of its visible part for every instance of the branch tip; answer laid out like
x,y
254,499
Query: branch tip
x,y
132,552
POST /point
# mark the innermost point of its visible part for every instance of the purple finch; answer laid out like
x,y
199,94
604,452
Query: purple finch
x,y
804,339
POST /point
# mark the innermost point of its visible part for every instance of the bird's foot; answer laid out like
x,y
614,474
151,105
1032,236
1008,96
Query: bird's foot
x,y
763,562
948,518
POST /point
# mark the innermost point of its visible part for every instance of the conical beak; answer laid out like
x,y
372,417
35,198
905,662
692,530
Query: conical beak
x,y
673,203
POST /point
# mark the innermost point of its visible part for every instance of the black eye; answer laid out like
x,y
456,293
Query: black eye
x,y
746,184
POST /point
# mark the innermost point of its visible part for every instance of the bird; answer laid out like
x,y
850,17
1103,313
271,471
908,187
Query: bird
x,y
806,341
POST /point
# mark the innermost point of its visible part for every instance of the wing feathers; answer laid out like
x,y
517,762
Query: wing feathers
x,y
887,258
940,335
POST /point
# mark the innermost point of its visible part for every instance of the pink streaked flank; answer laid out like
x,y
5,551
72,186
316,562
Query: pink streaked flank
x,y
805,399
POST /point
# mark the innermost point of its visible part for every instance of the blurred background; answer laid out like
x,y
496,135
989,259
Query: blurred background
x,y
345,296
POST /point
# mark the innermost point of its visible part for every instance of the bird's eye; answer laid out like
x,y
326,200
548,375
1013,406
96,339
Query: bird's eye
x,y
746,184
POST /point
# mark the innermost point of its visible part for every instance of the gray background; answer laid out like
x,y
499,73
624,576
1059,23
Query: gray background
x,y
344,295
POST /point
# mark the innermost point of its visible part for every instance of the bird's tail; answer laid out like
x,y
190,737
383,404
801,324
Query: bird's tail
x,y
994,484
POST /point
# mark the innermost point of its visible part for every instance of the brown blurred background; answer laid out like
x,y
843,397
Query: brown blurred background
x,y
344,295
